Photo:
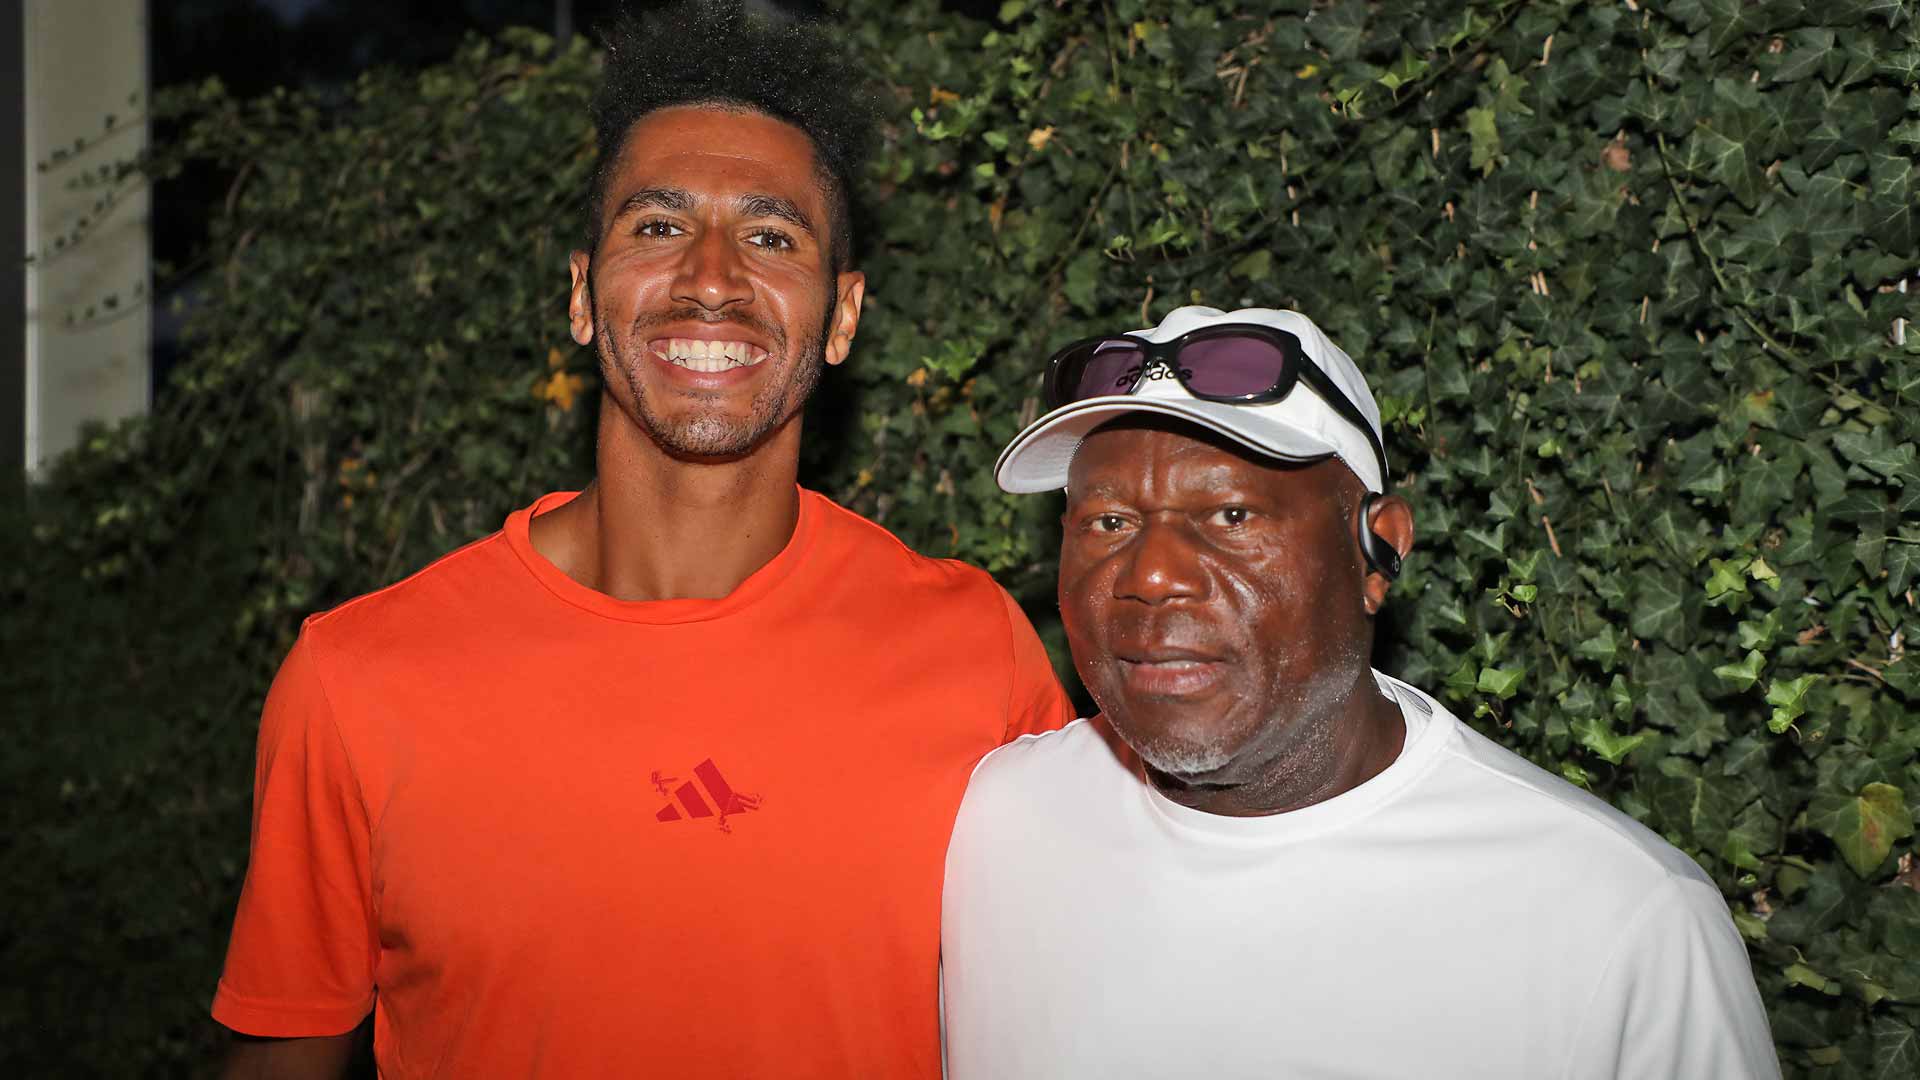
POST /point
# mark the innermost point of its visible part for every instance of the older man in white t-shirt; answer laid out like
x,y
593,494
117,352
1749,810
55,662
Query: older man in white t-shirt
x,y
1264,859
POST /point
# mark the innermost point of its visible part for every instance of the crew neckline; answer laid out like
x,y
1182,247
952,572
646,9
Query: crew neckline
x,y
1429,725
519,535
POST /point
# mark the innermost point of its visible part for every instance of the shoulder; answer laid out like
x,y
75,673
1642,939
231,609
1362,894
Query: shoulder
x,y
1552,820
886,562
1031,767
435,596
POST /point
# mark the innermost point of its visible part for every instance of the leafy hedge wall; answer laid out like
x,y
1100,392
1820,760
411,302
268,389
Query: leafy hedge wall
x,y
1629,280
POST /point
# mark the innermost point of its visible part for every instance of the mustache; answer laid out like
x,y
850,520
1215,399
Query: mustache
x,y
1165,631
693,313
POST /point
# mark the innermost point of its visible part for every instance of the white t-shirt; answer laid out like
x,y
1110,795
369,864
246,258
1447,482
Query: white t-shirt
x,y
1462,914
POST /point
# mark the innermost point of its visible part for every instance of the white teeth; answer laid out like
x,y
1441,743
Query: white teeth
x,y
696,354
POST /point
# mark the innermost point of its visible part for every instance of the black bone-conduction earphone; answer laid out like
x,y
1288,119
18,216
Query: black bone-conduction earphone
x,y
1378,552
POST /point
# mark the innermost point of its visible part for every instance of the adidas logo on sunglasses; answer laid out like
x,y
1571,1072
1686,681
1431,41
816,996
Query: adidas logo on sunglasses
x,y
1135,375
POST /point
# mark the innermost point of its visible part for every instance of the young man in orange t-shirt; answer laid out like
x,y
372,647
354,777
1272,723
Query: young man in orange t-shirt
x,y
657,780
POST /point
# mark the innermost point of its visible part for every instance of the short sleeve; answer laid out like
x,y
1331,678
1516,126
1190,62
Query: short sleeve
x,y
1035,702
1677,998
300,962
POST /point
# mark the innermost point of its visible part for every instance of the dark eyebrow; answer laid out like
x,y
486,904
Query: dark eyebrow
x,y
681,201
774,206
673,199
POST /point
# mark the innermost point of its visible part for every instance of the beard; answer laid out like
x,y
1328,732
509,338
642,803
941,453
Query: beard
x,y
1186,760
706,431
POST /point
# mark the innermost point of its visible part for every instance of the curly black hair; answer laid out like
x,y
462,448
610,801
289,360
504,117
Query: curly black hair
x,y
712,52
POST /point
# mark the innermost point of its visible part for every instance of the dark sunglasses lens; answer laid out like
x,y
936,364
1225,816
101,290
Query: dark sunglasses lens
x,y
1233,365
1105,367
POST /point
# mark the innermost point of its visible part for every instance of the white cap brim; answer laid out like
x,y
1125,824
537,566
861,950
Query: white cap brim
x,y
1302,426
1038,458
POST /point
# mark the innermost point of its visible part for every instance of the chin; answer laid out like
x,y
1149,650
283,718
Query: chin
x,y
1188,738
1191,764
1195,756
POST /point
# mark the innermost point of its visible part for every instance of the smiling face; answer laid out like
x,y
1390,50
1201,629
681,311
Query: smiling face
x,y
1217,606
709,297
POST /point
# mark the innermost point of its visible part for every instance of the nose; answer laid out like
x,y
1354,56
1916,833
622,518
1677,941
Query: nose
x,y
1162,565
712,274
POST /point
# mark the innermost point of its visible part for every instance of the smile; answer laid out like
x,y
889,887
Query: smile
x,y
696,354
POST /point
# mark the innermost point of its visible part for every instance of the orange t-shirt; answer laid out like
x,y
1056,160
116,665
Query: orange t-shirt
x,y
542,832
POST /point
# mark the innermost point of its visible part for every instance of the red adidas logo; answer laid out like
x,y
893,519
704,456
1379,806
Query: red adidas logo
x,y
720,801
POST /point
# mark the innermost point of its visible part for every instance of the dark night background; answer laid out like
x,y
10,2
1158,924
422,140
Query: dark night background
x,y
253,46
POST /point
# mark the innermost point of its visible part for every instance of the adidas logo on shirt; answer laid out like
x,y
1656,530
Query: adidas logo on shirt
x,y
718,801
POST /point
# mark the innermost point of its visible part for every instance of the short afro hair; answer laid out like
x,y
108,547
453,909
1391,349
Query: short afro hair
x,y
713,53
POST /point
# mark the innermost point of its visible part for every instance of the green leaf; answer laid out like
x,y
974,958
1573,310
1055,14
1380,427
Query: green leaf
x,y
1082,278
1744,674
1597,735
1729,21
1802,975
1863,826
1896,1049
1500,682
1701,808
1464,679
1253,266
1760,634
1728,581
1405,70
1340,28
1657,610
1805,52
1787,696
1483,133
1891,214
1603,647
1902,563
1875,451
1728,158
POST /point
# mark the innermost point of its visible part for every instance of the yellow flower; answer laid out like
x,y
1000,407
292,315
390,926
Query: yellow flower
x,y
561,387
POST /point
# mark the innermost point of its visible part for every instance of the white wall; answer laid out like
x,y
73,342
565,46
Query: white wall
x,y
85,60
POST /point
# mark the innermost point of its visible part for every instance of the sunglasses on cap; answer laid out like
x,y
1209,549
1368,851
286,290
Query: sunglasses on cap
x,y
1231,363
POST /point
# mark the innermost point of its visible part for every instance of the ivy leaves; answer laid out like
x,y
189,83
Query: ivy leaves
x,y
1626,281
1864,825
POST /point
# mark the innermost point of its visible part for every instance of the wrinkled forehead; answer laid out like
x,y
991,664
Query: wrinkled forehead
x,y
1130,447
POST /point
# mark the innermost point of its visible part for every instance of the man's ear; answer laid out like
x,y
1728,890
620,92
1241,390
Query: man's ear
x,y
580,298
1391,519
852,289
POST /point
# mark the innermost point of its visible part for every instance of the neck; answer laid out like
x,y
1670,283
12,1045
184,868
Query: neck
x,y
1315,757
655,527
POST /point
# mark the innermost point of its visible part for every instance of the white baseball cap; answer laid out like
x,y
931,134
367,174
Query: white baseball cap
x,y
1302,426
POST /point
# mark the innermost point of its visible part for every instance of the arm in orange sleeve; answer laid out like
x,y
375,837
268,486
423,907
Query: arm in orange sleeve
x,y
300,962
1035,701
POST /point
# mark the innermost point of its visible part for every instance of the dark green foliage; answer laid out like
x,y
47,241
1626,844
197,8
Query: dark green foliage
x,y
1626,280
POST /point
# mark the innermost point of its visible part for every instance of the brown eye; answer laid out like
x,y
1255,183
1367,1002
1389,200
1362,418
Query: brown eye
x,y
657,229
1232,517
